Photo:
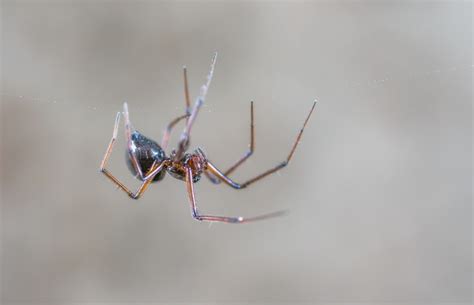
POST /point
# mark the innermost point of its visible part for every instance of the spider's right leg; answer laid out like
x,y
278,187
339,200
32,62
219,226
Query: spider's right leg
x,y
211,218
222,176
184,139
149,177
239,162
169,128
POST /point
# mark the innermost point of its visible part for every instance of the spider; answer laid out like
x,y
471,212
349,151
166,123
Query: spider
x,y
147,160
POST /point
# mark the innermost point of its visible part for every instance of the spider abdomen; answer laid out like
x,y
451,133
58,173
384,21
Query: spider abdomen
x,y
146,152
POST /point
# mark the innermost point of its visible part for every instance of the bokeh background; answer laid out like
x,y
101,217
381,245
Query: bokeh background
x,y
379,191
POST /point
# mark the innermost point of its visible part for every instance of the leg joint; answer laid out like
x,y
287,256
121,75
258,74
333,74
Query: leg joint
x,y
241,186
134,195
196,216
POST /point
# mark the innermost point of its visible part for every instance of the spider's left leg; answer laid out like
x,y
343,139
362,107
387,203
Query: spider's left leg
x,y
186,91
211,218
184,139
148,179
169,128
128,136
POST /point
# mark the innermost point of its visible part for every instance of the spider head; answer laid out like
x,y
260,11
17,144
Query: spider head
x,y
196,161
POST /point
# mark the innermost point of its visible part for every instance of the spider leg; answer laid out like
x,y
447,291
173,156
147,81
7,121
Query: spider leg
x,y
186,91
146,181
167,133
224,178
246,155
169,128
184,139
212,218
128,136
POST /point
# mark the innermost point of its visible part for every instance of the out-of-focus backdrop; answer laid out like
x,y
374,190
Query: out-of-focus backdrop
x,y
379,191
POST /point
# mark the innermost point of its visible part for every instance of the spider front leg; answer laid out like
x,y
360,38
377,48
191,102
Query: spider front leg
x,y
214,172
183,143
247,155
146,180
169,128
210,218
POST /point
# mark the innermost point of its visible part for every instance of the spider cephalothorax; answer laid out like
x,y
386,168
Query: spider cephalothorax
x,y
148,161
194,161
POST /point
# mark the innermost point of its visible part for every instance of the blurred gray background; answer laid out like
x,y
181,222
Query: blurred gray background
x,y
379,191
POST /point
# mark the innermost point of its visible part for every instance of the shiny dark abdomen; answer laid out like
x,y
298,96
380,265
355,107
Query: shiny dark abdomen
x,y
147,151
